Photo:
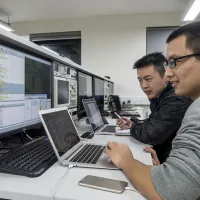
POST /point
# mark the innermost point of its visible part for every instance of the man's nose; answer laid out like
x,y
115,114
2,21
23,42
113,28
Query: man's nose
x,y
144,84
168,73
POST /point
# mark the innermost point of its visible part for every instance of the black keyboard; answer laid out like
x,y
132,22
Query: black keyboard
x,y
88,154
109,129
31,159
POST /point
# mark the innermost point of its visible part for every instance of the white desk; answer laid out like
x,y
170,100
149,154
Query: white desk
x,y
41,188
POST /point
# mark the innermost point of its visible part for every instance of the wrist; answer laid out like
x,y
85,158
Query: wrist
x,y
127,164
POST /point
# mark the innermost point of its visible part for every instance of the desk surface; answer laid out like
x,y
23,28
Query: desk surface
x,y
64,182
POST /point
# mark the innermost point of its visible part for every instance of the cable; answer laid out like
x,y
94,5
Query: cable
x,y
131,189
6,143
28,136
6,146
58,184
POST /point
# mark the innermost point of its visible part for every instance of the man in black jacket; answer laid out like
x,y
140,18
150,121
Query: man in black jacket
x,y
167,109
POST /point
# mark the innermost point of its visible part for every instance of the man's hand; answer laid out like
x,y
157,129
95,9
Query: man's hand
x,y
124,123
120,154
153,155
138,173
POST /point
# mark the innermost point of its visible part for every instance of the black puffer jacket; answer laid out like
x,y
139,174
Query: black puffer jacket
x,y
160,128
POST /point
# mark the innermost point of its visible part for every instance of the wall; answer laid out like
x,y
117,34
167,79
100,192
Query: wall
x,y
110,44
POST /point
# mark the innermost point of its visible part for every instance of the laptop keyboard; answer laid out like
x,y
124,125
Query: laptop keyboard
x,y
88,154
110,129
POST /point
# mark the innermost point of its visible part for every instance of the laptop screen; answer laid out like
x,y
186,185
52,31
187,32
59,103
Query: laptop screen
x,y
93,113
62,130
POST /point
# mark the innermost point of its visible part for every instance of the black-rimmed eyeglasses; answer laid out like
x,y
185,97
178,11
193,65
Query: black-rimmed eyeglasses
x,y
171,63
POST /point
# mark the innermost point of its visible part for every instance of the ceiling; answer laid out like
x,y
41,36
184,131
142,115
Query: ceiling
x,y
32,10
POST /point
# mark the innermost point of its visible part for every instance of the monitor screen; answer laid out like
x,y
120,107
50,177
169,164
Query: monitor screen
x,y
84,92
93,113
62,130
37,77
99,91
25,88
61,92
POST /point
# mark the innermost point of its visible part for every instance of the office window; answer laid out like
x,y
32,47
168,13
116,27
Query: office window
x,y
156,39
66,44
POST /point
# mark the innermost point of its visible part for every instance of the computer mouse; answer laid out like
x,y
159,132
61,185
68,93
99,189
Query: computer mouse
x,y
87,135
87,121
90,136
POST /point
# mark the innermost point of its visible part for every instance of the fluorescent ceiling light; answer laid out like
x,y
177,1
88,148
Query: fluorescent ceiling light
x,y
50,50
193,12
6,26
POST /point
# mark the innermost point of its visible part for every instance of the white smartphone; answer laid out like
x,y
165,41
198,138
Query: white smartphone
x,y
105,184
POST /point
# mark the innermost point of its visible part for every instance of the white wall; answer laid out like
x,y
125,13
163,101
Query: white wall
x,y
110,44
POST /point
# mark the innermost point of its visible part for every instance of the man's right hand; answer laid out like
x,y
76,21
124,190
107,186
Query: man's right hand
x,y
124,123
120,154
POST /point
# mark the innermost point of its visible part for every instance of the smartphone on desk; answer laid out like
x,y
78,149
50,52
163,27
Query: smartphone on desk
x,y
105,184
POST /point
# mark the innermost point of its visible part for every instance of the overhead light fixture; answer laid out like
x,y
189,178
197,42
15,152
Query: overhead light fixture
x,y
193,11
6,26
49,50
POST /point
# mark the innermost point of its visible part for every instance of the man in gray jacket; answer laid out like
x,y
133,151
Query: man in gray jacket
x,y
179,177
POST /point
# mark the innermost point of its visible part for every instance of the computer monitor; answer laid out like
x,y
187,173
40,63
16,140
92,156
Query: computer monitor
x,y
115,104
99,92
25,88
84,92
61,92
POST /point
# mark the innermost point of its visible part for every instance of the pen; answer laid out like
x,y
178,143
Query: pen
x,y
120,118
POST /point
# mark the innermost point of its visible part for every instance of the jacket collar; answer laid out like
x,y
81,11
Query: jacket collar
x,y
164,92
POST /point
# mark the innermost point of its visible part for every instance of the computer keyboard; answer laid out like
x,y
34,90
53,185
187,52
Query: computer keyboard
x,y
88,154
109,129
31,159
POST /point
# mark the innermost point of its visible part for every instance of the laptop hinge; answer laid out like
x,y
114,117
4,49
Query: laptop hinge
x,y
100,127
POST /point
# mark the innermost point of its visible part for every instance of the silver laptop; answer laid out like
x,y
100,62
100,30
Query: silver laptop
x,y
96,120
67,144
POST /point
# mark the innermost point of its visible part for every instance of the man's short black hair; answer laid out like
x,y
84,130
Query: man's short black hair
x,y
192,33
155,59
